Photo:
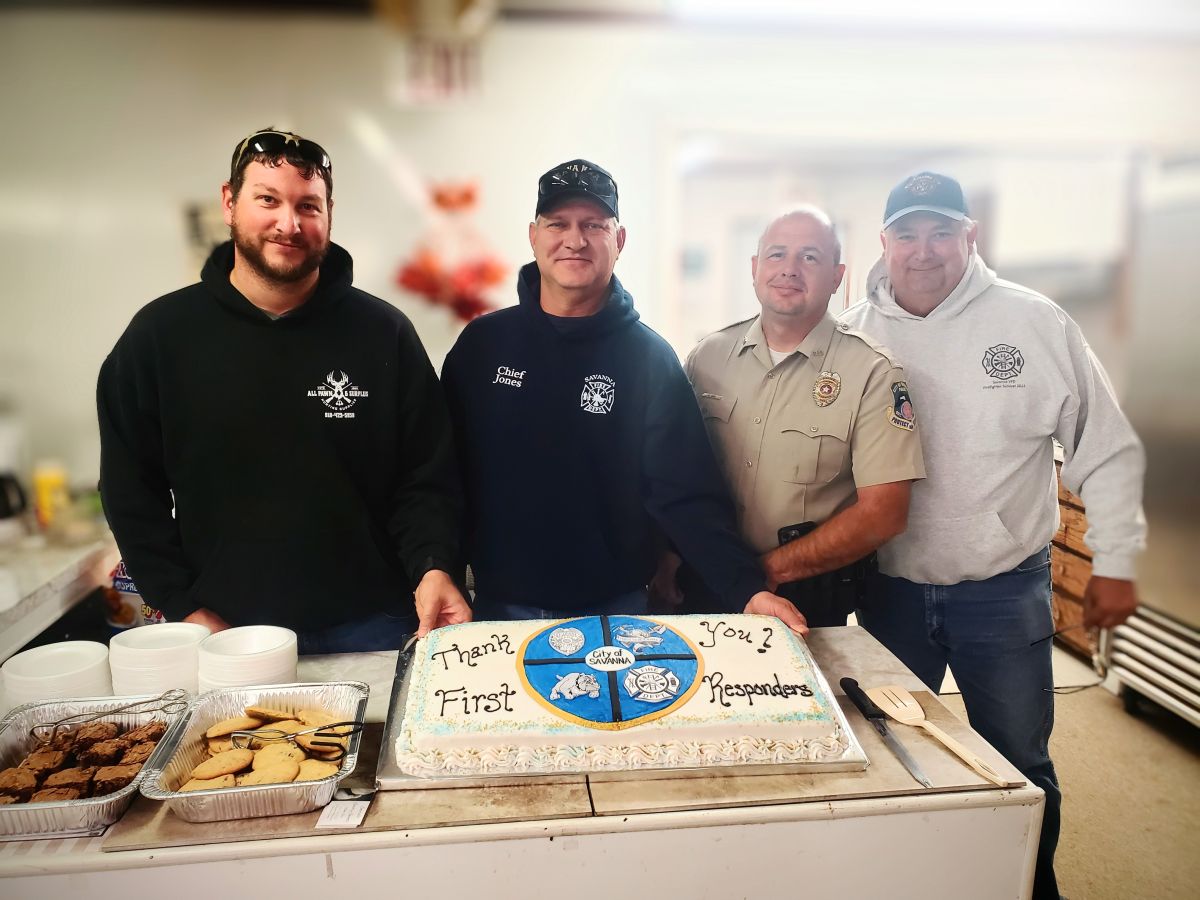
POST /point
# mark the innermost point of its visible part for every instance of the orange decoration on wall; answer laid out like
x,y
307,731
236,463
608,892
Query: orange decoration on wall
x,y
453,266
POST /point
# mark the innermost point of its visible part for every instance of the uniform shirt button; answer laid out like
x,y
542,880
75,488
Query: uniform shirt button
x,y
757,420
749,464
770,374
812,427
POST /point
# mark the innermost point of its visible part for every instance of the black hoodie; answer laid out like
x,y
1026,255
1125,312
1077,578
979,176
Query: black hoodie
x,y
576,436
309,456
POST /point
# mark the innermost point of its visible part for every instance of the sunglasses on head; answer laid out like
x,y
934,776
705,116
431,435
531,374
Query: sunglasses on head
x,y
281,143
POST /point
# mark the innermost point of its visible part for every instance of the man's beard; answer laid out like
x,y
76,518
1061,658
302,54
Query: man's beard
x,y
251,250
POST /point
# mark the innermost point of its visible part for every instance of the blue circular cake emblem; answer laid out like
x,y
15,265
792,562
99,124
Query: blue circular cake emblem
x,y
610,672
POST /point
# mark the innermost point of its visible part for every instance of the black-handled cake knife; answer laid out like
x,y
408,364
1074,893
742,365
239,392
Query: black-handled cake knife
x,y
878,718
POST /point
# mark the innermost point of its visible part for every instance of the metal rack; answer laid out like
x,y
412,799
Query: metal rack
x,y
1159,657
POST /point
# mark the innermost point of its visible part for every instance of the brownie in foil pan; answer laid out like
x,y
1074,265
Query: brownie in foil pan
x,y
344,700
88,815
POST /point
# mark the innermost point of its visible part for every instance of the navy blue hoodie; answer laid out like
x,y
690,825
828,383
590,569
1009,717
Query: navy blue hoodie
x,y
308,458
576,437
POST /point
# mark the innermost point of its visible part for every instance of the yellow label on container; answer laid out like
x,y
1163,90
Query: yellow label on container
x,y
49,492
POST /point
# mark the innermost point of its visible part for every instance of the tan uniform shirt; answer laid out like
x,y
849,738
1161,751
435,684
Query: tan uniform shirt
x,y
796,438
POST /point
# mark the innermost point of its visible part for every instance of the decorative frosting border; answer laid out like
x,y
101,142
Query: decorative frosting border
x,y
668,755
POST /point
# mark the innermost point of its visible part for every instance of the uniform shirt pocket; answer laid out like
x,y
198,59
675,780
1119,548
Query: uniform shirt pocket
x,y
718,407
816,449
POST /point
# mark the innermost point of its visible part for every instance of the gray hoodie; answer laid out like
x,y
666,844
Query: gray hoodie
x,y
995,372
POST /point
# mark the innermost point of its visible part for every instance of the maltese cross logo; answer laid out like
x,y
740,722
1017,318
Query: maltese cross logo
x,y
1003,362
599,391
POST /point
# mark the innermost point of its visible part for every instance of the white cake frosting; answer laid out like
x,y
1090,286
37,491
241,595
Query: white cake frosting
x,y
614,692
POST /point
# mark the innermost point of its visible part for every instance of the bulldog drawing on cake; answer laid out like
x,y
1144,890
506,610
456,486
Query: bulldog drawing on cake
x,y
575,684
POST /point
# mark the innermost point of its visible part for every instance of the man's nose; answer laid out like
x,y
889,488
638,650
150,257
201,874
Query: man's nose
x,y
287,220
575,237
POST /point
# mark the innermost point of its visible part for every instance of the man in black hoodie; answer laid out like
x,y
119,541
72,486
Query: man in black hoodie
x,y
274,444
580,437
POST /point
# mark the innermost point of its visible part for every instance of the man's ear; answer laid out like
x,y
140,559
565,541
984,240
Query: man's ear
x,y
532,231
620,238
754,267
227,203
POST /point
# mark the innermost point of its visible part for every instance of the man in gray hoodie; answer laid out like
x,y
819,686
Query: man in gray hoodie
x,y
1000,373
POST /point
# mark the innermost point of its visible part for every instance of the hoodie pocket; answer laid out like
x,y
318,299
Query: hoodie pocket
x,y
815,449
965,548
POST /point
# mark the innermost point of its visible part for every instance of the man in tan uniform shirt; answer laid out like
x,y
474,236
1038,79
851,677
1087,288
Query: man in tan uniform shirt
x,y
812,423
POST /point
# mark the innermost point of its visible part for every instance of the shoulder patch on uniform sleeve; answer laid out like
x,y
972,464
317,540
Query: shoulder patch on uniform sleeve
x,y
901,414
875,345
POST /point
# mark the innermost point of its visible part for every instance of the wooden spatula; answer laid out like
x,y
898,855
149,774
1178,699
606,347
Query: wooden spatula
x,y
902,706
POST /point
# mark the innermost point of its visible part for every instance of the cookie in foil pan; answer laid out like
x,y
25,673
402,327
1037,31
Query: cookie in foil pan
x,y
343,700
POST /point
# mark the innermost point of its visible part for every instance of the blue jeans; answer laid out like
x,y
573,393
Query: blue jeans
x,y
983,630
634,603
381,631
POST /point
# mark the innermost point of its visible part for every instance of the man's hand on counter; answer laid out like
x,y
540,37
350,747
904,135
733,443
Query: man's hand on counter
x,y
439,602
208,619
764,603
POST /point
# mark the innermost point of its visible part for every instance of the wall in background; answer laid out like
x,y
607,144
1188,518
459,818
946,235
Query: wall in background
x,y
114,122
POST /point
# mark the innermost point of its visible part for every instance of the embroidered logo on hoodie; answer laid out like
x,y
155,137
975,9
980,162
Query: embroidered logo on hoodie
x,y
598,394
510,376
338,394
1003,362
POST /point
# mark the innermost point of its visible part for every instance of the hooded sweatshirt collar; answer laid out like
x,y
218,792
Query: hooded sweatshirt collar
x,y
617,312
976,279
336,276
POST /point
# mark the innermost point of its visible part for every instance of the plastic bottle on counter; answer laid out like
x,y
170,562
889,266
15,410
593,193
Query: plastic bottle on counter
x,y
50,495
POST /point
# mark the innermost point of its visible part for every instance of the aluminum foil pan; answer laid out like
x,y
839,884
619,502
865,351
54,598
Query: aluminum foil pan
x,y
73,817
346,700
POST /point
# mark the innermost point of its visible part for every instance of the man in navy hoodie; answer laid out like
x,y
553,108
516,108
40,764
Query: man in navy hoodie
x,y
274,445
580,439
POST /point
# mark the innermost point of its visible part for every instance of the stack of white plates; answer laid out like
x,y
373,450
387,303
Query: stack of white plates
x,y
53,671
252,654
156,658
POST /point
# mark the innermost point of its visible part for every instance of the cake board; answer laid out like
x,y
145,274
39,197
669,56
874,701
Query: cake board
x,y
389,777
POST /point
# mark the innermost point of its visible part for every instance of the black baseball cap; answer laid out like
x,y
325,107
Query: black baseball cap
x,y
926,192
577,178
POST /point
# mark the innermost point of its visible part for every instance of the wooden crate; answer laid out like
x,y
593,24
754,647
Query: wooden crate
x,y
1070,568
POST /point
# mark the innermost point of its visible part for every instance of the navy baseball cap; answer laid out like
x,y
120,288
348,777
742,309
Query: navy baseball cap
x,y
926,192
577,178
